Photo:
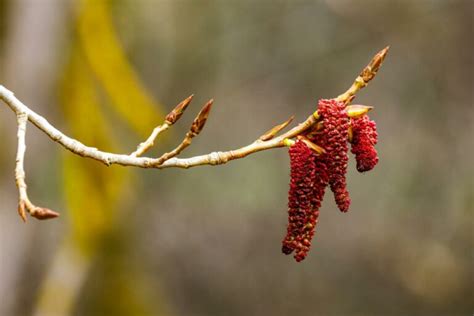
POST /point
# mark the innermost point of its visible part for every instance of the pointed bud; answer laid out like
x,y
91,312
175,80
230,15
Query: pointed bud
x,y
378,59
22,210
371,69
357,110
272,132
201,118
43,213
174,115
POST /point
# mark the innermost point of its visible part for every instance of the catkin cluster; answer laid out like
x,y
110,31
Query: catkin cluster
x,y
312,172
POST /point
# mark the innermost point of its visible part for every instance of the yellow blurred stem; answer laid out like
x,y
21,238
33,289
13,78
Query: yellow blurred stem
x,y
92,192
107,59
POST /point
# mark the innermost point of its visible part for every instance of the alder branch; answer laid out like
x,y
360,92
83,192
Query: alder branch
x,y
266,141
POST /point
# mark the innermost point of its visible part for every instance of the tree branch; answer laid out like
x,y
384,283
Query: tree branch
x,y
167,160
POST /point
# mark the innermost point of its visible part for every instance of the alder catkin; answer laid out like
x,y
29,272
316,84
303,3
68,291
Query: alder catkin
x,y
333,138
364,139
300,194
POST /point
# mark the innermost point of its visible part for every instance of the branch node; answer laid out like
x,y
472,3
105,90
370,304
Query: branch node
x,y
288,142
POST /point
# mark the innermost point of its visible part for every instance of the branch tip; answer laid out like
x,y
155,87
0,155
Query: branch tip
x,y
201,118
369,72
43,213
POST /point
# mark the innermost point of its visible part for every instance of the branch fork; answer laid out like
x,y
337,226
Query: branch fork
x,y
268,140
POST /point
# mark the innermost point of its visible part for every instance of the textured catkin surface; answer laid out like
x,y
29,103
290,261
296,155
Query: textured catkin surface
x,y
363,143
300,197
311,172
333,138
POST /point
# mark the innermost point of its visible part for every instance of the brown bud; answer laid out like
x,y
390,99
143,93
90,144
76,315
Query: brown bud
x,y
174,115
43,213
22,210
201,118
272,132
369,72
379,58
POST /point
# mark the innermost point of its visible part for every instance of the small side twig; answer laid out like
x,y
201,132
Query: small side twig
x,y
196,128
22,118
170,119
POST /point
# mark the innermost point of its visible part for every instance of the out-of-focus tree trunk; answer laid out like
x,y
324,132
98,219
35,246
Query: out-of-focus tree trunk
x,y
29,69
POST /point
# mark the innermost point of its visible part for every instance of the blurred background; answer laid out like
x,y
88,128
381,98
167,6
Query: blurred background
x,y
206,241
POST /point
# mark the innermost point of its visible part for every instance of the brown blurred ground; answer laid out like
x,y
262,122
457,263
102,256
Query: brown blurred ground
x,y
206,241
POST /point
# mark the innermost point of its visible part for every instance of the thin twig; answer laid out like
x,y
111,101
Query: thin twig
x,y
150,141
195,129
367,74
170,119
24,204
22,119
108,158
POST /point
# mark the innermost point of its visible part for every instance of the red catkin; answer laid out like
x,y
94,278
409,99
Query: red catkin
x,y
300,196
333,138
311,173
321,179
364,139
